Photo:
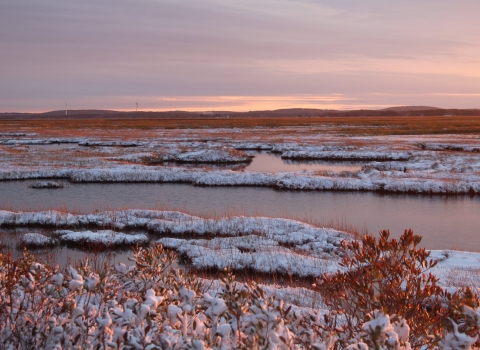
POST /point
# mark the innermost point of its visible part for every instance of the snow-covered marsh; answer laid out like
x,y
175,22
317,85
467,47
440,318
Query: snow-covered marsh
x,y
357,154
176,223
267,259
369,179
34,239
47,184
206,155
260,244
399,164
266,245
106,238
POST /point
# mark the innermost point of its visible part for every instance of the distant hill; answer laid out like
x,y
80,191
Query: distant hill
x,y
409,108
406,111
80,112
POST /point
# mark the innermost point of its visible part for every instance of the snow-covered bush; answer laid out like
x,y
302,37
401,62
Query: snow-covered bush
x,y
152,305
149,305
379,333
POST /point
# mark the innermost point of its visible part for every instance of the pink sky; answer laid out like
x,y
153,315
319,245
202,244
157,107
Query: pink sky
x,y
238,55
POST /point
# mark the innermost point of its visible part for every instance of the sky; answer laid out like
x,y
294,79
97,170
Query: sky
x,y
238,55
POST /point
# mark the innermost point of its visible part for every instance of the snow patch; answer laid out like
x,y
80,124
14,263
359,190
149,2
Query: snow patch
x,y
47,184
37,240
104,237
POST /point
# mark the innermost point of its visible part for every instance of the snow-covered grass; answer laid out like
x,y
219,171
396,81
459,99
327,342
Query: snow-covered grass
x,y
265,259
103,238
369,179
206,155
106,238
177,223
440,165
34,239
265,245
261,245
47,184
339,154
457,269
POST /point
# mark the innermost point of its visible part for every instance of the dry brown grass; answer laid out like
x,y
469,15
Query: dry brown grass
x,y
343,125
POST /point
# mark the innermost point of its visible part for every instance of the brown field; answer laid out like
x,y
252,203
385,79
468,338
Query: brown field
x,y
335,125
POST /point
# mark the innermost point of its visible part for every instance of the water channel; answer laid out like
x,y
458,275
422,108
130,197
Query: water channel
x,y
445,222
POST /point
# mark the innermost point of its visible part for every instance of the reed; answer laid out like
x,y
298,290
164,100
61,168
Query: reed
x,y
378,125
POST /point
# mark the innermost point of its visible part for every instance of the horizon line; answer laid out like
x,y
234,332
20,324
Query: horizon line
x,y
130,110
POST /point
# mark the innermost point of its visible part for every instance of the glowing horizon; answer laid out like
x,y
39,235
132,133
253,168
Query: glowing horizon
x,y
236,103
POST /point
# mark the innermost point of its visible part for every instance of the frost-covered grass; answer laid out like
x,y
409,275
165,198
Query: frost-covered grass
x,y
261,246
106,238
208,155
102,238
47,184
400,164
284,231
34,239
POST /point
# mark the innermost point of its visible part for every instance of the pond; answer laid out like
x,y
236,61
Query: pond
x,y
445,222
268,162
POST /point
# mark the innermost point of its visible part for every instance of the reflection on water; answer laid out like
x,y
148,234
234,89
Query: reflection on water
x,y
444,222
267,162
273,163
61,255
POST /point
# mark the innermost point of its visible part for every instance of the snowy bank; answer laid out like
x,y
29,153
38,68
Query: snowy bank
x,y
107,238
37,240
245,253
347,155
414,176
47,184
264,245
309,238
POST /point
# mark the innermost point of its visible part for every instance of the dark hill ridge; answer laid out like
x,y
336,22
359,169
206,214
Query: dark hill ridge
x,y
409,108
80,112
280,113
